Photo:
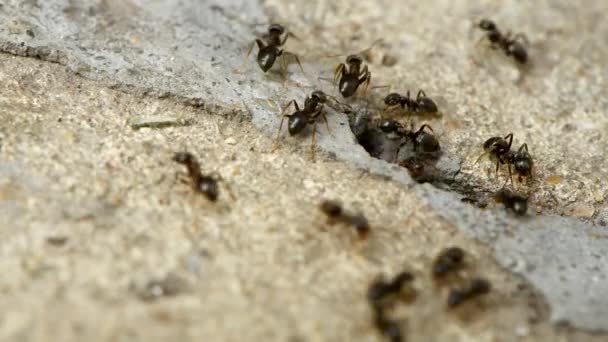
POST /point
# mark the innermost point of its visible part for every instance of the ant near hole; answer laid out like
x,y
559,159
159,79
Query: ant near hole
x,y
269,46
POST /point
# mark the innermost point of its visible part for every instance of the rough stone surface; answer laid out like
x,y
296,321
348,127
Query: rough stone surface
x,y
188,50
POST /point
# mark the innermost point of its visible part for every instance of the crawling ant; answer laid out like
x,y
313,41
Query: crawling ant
x,y
270,48
377,292
510,45
381,289
477,287
448,261
513,201
335,212
500,148
204,184
351,75
298,120
422,103
422,140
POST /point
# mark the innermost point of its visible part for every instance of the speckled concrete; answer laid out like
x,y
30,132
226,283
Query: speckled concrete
x,y
189,50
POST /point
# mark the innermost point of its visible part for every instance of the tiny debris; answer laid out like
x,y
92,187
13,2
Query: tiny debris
x,y
57,241
156,121
169,286
580,210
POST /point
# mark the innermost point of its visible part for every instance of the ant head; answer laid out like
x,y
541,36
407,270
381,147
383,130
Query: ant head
x,y
354,59
487,25
389,126
319,96
331,208
277,29
393,99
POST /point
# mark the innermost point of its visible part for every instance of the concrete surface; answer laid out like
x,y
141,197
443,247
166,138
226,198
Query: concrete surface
x,y
188,51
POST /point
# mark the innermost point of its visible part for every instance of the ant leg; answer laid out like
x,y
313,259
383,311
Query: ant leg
x,y
523,147
260,46
423,126
510,137
326,124
313,143
276,141
283,66
339,72
510,173
365,77
296,58
289,104
420,92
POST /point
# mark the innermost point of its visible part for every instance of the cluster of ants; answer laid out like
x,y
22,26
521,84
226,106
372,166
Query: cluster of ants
x,y
348,77
382,294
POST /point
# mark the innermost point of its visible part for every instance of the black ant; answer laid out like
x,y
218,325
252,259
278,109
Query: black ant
x,y
351,75
510,45
476,288
448,261
269,48
335,212
422,140
522,162
297,121
377,292
422,103
204,184
381,289
513,201
500,148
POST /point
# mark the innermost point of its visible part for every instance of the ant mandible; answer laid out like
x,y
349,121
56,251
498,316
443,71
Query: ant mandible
x,y
510,45
269,48
297,121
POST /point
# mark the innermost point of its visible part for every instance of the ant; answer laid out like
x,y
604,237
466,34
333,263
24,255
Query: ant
x,y
381,289
269,48
513,201
427,142
522,162
335,212
500,148
297,121
422,103
351,75
204,184
510,45
449,260
476,288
